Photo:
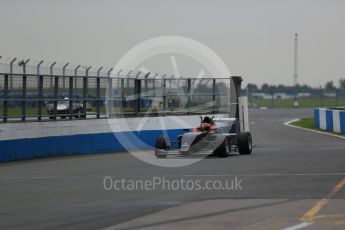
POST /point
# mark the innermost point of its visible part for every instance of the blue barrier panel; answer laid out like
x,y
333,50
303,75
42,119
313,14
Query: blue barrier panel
x,y
329,120
342,122
317,118
29,148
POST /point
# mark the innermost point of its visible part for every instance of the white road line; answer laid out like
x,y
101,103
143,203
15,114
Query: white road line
x,y
53,161
299,226
263,174
288,123
173,175
38,177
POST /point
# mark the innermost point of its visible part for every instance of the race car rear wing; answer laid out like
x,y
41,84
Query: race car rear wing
x,y
226,119
238,105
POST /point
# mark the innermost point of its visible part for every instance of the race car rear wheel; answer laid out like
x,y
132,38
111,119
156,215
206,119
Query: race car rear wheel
x,y
244,143
161,144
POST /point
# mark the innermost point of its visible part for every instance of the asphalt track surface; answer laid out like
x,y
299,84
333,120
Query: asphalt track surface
x,y
294,179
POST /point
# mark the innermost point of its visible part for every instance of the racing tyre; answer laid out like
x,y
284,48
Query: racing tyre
x,y
244,143
77,115
161,147
224,149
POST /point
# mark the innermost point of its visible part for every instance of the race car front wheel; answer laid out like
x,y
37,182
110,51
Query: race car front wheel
x,y
224,149
161,147
244,143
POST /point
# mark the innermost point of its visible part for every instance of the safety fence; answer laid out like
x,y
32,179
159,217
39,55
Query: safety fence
x,y
56,95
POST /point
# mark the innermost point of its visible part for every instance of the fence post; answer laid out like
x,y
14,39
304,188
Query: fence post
x,y
189,99
123,100
154,84
76,75
51,74
24,98
121,84
23,63
214,94
63,75
56,96
128,76
98,93
40,96
321,97
70,97
38,73
6,99
110,93
85,90
146,83
164,93
137,96
11,72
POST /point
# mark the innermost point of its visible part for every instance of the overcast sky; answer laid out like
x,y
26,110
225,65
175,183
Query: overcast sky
x,y
254,38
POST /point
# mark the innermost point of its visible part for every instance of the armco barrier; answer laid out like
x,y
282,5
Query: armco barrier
x,y
330,119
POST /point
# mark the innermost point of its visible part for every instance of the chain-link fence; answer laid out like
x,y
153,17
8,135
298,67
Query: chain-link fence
x,y
29,93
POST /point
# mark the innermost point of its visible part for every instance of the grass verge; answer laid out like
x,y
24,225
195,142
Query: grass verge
x,y
308,123
303,102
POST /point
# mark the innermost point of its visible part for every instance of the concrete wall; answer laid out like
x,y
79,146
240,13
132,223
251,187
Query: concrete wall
x,y
330,120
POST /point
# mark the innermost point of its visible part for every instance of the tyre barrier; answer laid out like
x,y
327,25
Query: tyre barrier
x,y
330,119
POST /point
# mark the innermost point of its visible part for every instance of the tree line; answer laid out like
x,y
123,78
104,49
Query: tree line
x,y
266,88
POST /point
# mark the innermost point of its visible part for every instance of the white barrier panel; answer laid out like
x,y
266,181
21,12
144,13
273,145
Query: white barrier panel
x,y
336,121
243,113
330,119
323,124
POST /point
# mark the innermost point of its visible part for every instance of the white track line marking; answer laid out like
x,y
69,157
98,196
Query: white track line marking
x,y
253,175
288,123
38,177
186,175
298,226
52,161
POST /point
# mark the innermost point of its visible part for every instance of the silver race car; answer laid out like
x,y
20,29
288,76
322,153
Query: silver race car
x,y
231,136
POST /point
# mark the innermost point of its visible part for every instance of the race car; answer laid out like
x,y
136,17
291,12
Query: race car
x,y
232,135
62,109
207,137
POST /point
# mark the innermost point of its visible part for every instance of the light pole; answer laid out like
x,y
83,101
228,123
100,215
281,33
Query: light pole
x,y
295,76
